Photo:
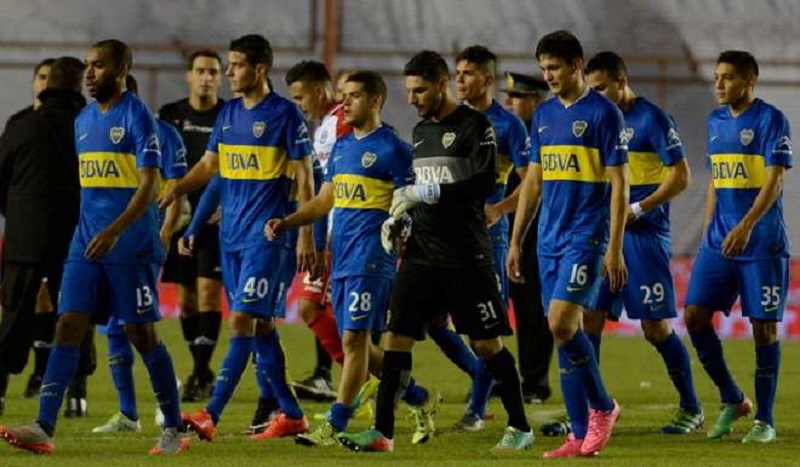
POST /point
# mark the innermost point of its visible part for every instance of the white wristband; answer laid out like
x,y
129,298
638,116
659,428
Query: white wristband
x,y
637,210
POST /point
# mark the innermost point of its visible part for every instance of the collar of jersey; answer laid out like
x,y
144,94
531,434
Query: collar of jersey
x,y
580,98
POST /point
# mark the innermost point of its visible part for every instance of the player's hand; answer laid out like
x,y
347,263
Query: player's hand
x,y
614,268
320,266
101,244
409,196
513,268
215,218
186,245
736,241
394,233
169,196
274,228
630,217
306,259
493,214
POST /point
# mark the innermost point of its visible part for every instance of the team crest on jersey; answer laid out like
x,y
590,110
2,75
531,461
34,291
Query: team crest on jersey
x,y
368,159
116,134
448,139
579,128
746,136
258,129
323,136
626,135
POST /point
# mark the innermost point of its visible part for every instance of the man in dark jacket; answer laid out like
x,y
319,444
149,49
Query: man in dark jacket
x,y
40,191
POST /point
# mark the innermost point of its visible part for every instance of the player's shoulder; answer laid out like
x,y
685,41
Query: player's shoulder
x,y
87,114
167,130
652,112
599,104
174,109
388,138
503,115
769,113
281,104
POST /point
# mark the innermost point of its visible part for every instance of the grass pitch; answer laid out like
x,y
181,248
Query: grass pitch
x,y
633,372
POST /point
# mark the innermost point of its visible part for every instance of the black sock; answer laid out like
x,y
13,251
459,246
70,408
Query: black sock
x,y
396,374
3,383
205,341
77,388
44,327
503,368
189,326
48,428
324,361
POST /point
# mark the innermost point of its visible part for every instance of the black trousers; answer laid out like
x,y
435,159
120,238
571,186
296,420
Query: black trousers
x,y
534,340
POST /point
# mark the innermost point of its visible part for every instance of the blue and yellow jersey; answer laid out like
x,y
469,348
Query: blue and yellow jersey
x,y
739,151
653,146
173,153
513,152
112,147
254,147
365,172
574,145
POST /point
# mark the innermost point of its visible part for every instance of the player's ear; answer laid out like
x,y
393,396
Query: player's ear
x,y
577,65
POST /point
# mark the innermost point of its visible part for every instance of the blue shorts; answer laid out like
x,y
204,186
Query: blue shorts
x,y
649,292
716,282
500,255
252,278
360,303
572,277
287,274
120,293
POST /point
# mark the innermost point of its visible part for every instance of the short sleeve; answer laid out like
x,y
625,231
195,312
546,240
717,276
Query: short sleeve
x,y
779,141
519,143
535,144
173,152
330,171
665,138
216,134
402,167
145,139
298,141
613,140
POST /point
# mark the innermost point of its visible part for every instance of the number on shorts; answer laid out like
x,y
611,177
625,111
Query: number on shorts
x,y
256,287
144,296
654,294
487,311
770,296
362,302
579,274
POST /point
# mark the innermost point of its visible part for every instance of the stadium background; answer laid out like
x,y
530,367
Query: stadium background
x,y
670,46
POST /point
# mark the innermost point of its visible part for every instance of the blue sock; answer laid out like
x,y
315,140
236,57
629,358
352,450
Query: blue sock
x,y
233,366
595,339
676,359
709,352
162,378
581,355
61,366
455,349
262,378
341,415
482,384
120,362
414,395
768,361
269,350
574,395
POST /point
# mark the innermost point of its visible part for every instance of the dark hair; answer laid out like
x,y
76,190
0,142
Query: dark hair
x,y
131,84
66,73
744,62
479,55
428,65
255,47
373,83
560,44
119,51
201,53
609,62
308,71
45,62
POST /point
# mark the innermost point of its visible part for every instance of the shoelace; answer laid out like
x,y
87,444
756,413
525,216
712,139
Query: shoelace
x,y
508,438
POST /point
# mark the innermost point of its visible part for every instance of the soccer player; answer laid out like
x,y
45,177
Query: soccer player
x,y
120,354
658,173
476,67
745,249
447,261
311,88
257,140
578,171
199,276
366,167
114,255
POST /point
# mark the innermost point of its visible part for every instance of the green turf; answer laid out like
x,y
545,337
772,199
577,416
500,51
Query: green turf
x,y
633,372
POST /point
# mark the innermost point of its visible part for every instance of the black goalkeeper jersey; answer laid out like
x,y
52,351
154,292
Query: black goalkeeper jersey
x,y
195,128
460,154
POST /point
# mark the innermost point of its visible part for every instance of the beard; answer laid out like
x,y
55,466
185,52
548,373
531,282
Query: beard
x,y
104,91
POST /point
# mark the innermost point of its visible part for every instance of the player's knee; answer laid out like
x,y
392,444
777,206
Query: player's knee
x,y
764,332
563,330
594,321
355,341
487,348
71,329
697,319
309,311
656,331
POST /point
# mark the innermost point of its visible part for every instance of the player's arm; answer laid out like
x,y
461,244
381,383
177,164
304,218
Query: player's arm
x,y
530,192
316,209
738,238
507,205
172,217
678,178
305,191
198,177
206,209
145,194
614,263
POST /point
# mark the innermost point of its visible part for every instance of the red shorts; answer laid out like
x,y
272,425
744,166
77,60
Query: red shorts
x,y
319,290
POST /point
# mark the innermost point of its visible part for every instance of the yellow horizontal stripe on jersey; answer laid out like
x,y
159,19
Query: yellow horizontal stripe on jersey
x,y
572,163
504,168
245,162
646,168
738,170
108,170
360,192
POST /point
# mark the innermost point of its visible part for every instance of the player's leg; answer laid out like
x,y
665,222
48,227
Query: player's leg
x,y
120,362
713,286
594,321
763,300
209,307
76,403
43,331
